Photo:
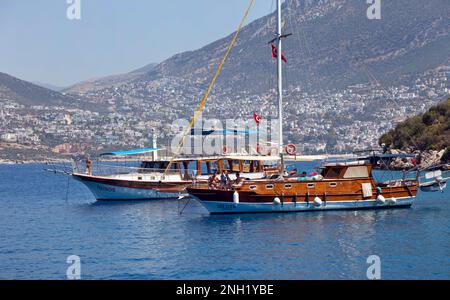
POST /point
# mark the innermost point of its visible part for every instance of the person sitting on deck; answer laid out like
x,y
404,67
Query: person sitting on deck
x,y
293,172
229,181
303,174
212,181
239,181
223,179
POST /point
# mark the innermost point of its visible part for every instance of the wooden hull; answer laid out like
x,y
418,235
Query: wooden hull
x,y
215,207
256,197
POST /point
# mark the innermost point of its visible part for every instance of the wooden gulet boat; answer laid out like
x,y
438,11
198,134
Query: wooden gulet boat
x,y
341,185
346,185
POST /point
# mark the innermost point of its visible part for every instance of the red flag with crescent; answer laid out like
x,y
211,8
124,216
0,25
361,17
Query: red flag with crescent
x,y
275,53
257,118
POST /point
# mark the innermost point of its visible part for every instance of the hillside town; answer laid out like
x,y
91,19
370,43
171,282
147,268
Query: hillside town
x,y
328,121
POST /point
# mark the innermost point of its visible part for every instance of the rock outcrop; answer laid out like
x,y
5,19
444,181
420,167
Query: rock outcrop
x,y
424,160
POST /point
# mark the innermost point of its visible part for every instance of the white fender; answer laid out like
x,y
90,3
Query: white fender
x,y
381,199
277,201
392,201
236,197
318,201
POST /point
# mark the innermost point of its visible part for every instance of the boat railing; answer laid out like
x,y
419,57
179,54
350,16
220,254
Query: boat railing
x,y
108,169
59,166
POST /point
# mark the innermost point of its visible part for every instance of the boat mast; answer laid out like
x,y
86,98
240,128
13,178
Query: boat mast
x,y
280,82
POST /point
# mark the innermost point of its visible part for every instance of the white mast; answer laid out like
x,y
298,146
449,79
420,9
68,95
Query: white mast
x,y
280,79
154,153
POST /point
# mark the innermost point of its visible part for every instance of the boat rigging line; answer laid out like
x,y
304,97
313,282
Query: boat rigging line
x,y
208,91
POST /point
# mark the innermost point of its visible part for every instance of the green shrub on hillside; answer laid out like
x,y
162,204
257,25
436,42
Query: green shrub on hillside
x,y
428,131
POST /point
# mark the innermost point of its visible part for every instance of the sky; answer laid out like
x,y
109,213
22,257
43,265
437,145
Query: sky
x,y
39,43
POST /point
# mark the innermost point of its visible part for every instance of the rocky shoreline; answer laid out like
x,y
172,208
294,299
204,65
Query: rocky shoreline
x,y
424,160
29,162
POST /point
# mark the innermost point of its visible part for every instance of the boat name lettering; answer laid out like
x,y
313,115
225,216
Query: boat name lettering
x,y
104,188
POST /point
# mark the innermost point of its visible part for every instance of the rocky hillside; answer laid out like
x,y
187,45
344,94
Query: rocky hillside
x,y
28,94
108,81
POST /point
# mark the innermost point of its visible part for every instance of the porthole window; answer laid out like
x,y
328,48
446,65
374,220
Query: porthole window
x,y
333,184
288,186
269,186
311,185
252,187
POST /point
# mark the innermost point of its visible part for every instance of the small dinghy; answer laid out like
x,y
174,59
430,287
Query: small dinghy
x,y
437,185
434,186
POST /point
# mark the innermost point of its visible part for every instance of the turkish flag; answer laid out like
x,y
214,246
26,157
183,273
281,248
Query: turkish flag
x,y
257,118
275,53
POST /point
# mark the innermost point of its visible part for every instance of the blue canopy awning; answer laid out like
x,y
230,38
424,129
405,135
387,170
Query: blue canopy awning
x,y
130,152
221,132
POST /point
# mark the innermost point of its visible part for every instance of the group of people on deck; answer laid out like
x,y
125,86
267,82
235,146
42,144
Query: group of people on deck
x,y
225,182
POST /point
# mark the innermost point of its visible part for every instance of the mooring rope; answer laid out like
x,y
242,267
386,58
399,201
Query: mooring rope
x,y
208,91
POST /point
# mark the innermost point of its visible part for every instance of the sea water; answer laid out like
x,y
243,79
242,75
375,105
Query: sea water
x,y
46,217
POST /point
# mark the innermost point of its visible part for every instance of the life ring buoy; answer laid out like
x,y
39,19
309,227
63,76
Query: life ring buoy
x,y
258,148
225,150
291,149
273,151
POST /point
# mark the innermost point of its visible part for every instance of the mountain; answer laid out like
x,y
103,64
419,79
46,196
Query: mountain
x,y
49,86
333,45
109,81
144,69
348,80
29,94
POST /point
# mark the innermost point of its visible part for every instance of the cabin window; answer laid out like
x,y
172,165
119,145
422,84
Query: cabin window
x,y
288,186
209,167
333,184
269,186
139,178
248,166
357,172
311,185
334,172
235,166
252,187
226,165
148,166
214,166
269,165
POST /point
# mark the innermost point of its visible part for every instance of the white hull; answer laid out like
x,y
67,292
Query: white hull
x,y
106,192
435,187
240,208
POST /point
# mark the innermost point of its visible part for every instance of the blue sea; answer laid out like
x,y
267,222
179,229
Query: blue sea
x,y
44,218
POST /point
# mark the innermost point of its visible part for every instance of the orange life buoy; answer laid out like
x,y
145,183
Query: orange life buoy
x,y
259,148
291,149
225,150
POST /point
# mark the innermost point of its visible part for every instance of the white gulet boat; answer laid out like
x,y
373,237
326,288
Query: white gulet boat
x,y
151,180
